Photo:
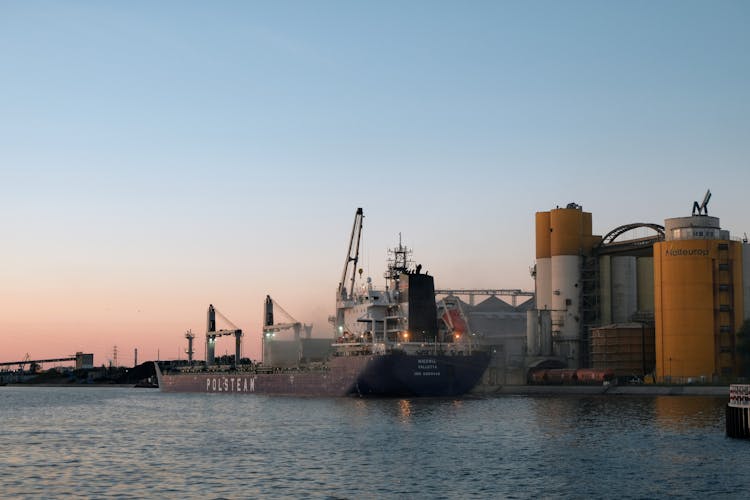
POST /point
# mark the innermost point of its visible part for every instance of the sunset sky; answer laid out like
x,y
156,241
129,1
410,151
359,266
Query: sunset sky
x,y
158,157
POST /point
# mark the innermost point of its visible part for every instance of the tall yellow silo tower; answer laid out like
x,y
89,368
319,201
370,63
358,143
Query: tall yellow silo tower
x,y
563,239
700,298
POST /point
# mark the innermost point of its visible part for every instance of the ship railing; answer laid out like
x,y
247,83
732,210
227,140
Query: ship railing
x,y
435,348
351,348
313,367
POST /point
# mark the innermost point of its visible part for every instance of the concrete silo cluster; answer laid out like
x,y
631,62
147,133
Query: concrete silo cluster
x,y
667,305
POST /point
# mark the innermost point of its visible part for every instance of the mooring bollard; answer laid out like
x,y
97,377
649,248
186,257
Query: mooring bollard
x,y
738,411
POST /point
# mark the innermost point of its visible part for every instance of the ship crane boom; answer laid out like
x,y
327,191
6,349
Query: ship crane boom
x,y
352,255
269,326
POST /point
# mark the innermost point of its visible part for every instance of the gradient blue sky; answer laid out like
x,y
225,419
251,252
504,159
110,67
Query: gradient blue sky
x,y
156,157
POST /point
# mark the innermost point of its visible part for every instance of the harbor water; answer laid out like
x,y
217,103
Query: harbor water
x,y
100,442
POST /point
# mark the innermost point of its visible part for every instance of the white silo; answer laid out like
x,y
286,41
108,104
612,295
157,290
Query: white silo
x,y
532,332
645,271
624,288
543,278
570,241
605,289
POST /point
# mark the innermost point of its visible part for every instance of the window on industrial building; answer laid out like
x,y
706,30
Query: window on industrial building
x,y
723,267
724,307
725,329
723,246
723,287
726,371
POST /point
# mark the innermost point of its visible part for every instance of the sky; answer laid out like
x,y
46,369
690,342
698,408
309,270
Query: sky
x,y
158,157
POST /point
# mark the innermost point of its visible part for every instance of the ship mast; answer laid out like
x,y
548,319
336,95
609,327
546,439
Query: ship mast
x,y
398,261
352,255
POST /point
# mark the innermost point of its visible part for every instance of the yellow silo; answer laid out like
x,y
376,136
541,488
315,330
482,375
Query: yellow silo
x,y
563,239
698,300
543,269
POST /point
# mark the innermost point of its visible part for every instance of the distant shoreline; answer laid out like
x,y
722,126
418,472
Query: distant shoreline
x,y
22,384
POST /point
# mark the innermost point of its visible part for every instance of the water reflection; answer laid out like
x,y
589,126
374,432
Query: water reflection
x,y
403,410
404,406
686,412
560,416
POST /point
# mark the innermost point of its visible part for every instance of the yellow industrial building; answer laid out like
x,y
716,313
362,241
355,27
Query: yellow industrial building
x,y
699,283
685,291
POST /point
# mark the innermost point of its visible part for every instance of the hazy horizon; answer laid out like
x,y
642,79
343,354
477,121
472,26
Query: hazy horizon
x,y
158,157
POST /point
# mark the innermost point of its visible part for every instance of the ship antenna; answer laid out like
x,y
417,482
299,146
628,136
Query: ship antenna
x,y
398,261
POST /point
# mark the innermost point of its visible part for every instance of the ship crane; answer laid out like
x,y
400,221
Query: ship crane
x,y
270,328
352,255
212,333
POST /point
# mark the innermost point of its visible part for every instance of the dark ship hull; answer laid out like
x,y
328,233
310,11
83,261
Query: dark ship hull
x,y
386,375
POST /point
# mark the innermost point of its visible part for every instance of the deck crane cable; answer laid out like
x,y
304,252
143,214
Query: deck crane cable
x,y
281,309
225,319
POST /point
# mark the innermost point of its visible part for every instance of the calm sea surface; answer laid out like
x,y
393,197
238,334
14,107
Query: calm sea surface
x,y
139,443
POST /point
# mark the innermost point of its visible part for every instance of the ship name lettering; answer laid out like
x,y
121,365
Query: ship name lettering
x,y
426,364
231,384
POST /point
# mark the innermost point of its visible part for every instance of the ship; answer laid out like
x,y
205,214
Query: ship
x,y
386,343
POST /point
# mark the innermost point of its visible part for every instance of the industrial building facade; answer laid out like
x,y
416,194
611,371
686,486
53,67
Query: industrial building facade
x,y
700,279
668,305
